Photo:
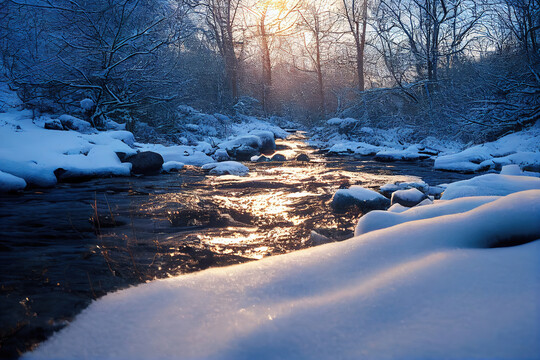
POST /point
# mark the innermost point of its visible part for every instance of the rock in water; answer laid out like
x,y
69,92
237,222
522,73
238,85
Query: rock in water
x,y
146,163
409,198
365,199
268,143
303,157
278,157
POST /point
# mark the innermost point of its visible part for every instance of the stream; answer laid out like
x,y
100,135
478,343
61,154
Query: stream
x,y
61,248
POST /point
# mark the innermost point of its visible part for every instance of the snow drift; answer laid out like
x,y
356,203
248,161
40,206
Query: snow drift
x,y
429,288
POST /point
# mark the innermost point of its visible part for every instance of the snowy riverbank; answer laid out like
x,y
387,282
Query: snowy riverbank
x,y
430,282
349,137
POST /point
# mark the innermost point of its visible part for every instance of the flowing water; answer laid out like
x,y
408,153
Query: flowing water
x,y
60,248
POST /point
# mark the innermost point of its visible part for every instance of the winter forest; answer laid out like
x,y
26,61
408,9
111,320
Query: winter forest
x,y
269,179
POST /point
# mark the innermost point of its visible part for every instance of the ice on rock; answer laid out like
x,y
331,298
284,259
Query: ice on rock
x,y
9,183
227,168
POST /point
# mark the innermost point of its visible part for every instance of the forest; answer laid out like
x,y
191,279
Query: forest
x,y
463,67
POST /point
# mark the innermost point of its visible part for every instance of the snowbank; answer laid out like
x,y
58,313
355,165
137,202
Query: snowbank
x,y
521,148
376,220
429,288
10,182
33,153
490,185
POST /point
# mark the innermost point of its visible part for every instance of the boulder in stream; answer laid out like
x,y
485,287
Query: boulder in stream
x,y
365,199
409,197
146,163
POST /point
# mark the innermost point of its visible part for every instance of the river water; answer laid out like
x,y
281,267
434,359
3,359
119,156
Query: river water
x,y
62,247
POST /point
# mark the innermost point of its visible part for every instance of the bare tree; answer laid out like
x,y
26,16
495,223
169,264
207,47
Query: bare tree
x,y
356,14
273,19
320,24
222,18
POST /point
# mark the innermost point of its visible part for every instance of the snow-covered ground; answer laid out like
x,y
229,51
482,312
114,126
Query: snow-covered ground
x,y
35,151
348,137
522,149
430,282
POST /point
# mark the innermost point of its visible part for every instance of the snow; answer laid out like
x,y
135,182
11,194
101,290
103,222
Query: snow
x,y
411,153
73,123
252,141
8,98
378,219
409,197
179,153
342,122
87,104
490,185
521,148
354,147
33,153
10,182
431,288
124,136
227,168
172,165
360,193
356,195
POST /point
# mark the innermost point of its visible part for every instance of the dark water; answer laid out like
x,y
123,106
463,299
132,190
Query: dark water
x,y
60,248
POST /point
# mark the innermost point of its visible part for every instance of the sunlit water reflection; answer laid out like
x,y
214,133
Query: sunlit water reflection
x,y
61,247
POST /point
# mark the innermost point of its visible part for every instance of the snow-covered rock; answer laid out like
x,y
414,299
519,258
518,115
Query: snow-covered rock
x,y
180,153
490,184
388,189
425,289
124,136
9,183
34,174
408,198
268,143
376,220
221,155
511,170
53,124
87,104
365,199
227,168
173,166
353,147
73,123
411,153
243,147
